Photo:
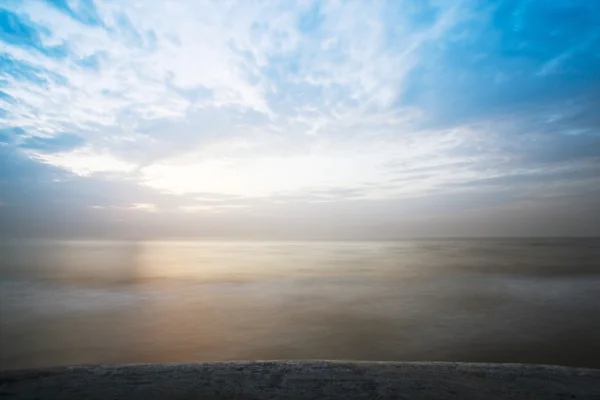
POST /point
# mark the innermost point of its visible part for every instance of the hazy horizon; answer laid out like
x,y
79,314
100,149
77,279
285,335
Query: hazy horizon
x,y
299,120
243,239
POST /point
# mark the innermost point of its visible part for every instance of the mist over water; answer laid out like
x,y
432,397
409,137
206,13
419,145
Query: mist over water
x,y
509,300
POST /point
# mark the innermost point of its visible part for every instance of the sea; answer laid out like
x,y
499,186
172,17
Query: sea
x,y
471,300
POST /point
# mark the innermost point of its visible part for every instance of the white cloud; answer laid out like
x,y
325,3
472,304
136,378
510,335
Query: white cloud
x,y
144,207
230,167
212,209
85,161
298,111
152,49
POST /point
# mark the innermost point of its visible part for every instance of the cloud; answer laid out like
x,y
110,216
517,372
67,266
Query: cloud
x,y
140,64
85,161
212,209
192,106
147,207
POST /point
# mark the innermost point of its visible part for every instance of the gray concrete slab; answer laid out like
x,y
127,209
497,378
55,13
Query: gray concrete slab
x,y
303,380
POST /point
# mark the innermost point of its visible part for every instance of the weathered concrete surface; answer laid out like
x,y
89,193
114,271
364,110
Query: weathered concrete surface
x,y
303,380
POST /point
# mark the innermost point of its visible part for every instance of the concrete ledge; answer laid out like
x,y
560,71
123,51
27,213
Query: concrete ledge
x,y
303,380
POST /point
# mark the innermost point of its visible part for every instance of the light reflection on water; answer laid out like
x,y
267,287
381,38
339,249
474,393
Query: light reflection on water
x,y
465,300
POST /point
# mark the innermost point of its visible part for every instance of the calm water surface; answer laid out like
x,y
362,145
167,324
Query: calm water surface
x,y
78,302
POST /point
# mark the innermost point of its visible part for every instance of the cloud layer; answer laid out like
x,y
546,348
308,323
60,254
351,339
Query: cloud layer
x,y
391,118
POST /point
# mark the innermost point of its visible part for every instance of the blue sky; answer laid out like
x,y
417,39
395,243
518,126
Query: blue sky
x,y
362,119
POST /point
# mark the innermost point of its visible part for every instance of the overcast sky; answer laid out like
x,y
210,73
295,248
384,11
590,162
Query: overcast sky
x,y
299,119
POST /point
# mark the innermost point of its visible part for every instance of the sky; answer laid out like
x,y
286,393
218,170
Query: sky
x,y
299,119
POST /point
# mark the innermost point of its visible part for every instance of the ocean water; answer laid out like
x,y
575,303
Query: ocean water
x,y
509,300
